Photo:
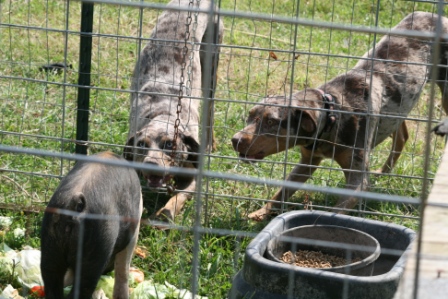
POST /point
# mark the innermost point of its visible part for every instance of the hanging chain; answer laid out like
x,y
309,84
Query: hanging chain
x,y
181,84
170,186
191,55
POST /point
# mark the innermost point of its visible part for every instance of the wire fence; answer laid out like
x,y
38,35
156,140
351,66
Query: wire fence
x,y
66,77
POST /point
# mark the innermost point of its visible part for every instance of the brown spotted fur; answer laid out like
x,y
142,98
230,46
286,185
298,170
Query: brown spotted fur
x,y
386,88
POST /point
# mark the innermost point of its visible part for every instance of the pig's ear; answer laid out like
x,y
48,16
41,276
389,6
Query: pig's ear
x,y
78,203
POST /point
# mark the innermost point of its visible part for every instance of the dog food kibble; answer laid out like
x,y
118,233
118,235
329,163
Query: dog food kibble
x,y
314,259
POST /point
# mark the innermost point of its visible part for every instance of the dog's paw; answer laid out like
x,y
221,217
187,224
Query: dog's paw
x,y
383,170
164,217
165,214
377,172
259,215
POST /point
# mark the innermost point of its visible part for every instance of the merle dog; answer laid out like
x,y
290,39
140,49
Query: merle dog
x,y
331,121
154,107
106,244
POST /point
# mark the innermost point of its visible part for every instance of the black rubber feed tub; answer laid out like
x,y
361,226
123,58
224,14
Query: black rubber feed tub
x,y
262,278
342,242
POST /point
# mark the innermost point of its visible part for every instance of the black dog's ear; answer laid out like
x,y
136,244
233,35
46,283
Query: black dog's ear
x,y
303,120
192,147
128,153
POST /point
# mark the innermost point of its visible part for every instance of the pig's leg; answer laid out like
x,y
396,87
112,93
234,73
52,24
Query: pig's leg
x,y
89,280
122,264
53,267
94,261
53,276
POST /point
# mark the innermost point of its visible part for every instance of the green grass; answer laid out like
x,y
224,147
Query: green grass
x,y
39,112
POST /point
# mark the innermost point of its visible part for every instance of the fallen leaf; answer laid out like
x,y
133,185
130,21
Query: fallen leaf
x,y
272,55
137,274
141,252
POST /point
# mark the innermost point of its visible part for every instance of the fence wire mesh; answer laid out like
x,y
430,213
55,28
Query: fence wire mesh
x,y
268,48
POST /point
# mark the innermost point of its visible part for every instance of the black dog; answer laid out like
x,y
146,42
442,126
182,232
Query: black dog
x,y
91,188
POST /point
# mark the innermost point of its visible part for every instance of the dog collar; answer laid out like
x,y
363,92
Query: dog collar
x,y
329,103
329,106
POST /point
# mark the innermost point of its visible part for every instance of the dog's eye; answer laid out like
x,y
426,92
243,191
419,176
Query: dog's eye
x,y
141,144
168,145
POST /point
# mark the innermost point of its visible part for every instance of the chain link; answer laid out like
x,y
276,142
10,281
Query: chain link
x,y
191,55
181,84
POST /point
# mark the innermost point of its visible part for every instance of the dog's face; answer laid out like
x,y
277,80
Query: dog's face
x,y
267,129
154,145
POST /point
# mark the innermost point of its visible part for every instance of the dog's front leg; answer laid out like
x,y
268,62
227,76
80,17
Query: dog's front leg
x,y
301,173
356,169
357,181
175,204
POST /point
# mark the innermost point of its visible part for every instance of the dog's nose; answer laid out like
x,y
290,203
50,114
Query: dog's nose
x,y
159,170
236,140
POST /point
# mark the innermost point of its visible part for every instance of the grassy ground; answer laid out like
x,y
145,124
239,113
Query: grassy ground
x,y
38,111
